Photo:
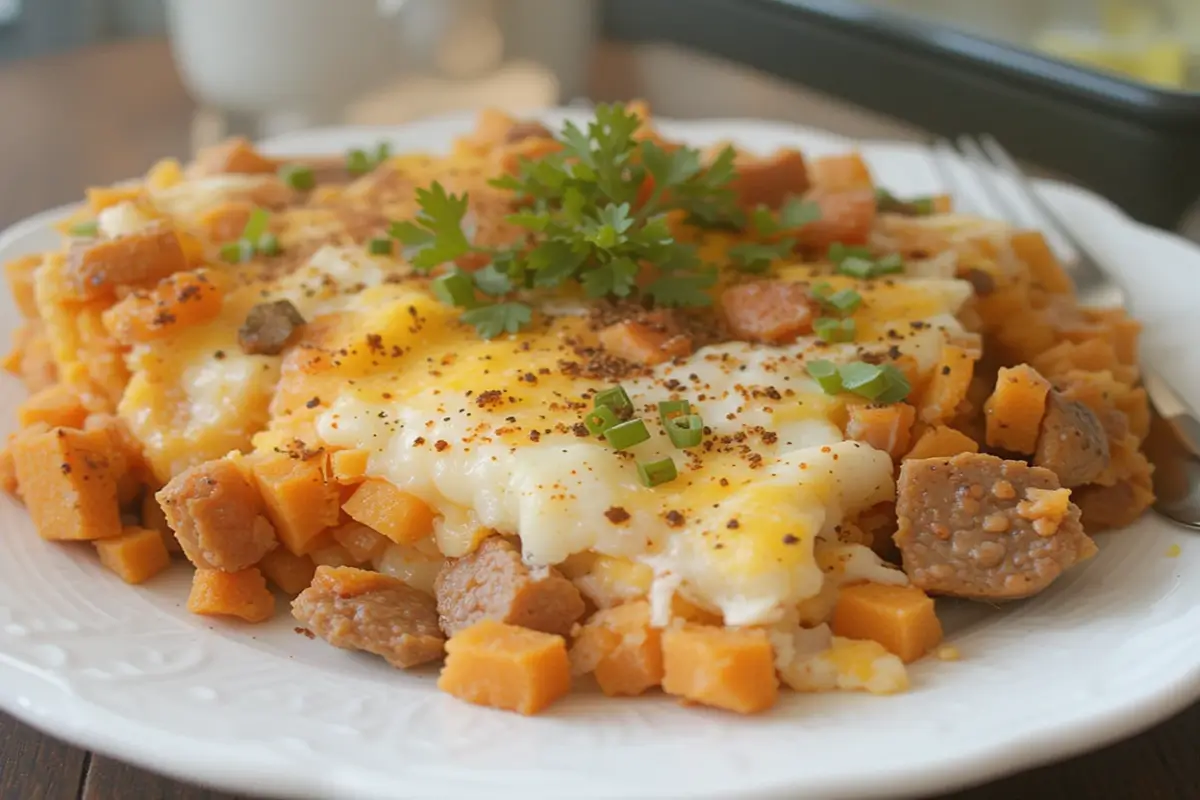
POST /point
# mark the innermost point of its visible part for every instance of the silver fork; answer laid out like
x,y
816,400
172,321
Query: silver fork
x,y
1174,443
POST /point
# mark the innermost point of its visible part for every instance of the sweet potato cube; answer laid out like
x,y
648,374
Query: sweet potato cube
x,y
887,428
19,272
621,648
225,222
300,502
942,442
362,543
137,555
1014,411
948,387
176,302
901,618
725,668
241,594
290,572
398,515
1045,269
839,173
349,466
644,344
68,480
504,666
94,271
57,406
233,156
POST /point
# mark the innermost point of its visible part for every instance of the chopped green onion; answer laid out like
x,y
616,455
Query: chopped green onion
x,y
846,301
898,386
379,247
627,434
821,291
889,264
298,176
600,419
615,398
358,162
237,252
654,473
455,289
268,245
924,206
863,379
89,228
825,373
686,431
829,329
256,225
839,252
383,151
670,409
856,267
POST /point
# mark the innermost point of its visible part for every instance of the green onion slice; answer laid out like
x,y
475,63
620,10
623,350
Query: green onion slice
x,y
829,329
856,267
863,379
379,247
358,162
627,434
298,176
238,252
654,473
889,265
846,301
383,151
821,292
924,206
89,228
455,289
839,252
686,431
268,245
670,409
614,397
898,386
600,419
825,373
256,225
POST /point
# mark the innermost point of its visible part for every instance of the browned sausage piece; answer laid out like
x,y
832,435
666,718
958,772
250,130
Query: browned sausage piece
x,y
493,583
770,181
95,269
981,527
269,327
644,342
1072,443
217,516
775,312
359,610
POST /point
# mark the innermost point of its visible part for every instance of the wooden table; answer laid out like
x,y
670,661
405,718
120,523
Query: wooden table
x,y
104,114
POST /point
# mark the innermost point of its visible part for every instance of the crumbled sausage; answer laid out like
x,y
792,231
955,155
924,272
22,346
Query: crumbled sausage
x,y
981,527
217,516
359,610
1072,443
775,312
493,583
648,342
269,327
96,269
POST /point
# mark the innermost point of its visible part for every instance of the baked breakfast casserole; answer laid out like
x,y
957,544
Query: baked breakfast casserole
x,y
586,402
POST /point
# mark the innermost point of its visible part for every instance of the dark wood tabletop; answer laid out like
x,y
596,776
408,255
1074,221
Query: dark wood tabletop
x,y
104,114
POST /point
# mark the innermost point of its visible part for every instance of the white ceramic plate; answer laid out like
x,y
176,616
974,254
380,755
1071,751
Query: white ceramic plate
x,y
1109,649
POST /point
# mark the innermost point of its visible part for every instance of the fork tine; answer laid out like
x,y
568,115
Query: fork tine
x,y
1049,217
944,158
985,171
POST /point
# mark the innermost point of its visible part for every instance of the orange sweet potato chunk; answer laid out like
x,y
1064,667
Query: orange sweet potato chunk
x,y
942,442
57,406
176,302
948,386
300,502
887,428
901,618
1014,411
291,573
621,648
20,283
349,466
505,666
233,156
362,543
95,271
137,555
68,480
727,668
640,343
1045,269
225,222
398,515
241,594
841,172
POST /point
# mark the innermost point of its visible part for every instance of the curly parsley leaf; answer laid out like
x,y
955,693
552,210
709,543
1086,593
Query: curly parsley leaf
x,y
492,281
492,320
617,277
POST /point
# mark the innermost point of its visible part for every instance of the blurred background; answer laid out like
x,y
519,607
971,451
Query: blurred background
x,y
1067,84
